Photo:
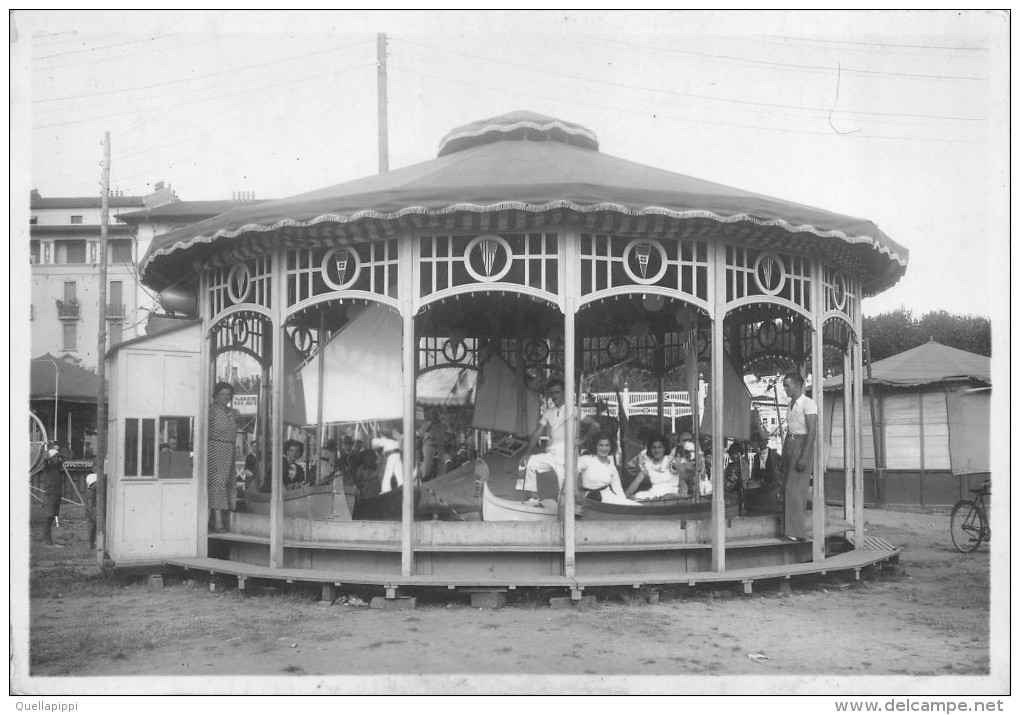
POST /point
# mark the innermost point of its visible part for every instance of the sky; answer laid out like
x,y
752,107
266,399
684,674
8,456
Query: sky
x,y
896,117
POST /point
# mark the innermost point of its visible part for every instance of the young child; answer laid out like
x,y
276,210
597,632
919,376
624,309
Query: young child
x,y
90,507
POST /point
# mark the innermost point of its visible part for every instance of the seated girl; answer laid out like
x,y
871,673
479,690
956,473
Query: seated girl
x,y
661,470
599,478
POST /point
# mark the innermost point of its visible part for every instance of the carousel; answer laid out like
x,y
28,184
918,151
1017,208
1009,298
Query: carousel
x,y
519,258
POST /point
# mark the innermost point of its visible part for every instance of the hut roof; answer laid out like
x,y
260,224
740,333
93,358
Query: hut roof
x,y
75,384
529,167
924,365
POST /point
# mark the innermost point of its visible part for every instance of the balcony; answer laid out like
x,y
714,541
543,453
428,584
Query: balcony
x,y
115,311
68,309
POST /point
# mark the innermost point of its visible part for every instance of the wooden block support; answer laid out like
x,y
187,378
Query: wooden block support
x,y
748,587
328,593
576,594
155,580
391,592
242,582
393,604
582,603
784,586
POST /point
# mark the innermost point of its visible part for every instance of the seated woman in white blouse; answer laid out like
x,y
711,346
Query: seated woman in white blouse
x,y
599,478
661,470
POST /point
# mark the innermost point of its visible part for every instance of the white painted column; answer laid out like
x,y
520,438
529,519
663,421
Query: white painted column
x,y
858,390
848,433
818,393
572,289
718,293
405,293
201,440
279,335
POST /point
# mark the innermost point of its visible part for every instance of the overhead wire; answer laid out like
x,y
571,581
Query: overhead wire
x,y
692,95
205,76
648,114
789,65
106,47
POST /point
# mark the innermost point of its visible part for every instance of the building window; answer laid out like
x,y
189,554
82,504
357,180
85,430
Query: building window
x,y
33,252
70,252
120,252
76,219
70,291
70,336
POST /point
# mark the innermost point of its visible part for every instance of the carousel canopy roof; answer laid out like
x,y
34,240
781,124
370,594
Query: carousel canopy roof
x,y
538,170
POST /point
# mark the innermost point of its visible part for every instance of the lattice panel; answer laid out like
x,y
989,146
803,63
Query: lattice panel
x,y
777,338
841,293
243,283
437,352
365,267
753,272
609,261
522,259
246,332
641,351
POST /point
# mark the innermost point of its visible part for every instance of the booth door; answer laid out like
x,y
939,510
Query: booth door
x,y
155,490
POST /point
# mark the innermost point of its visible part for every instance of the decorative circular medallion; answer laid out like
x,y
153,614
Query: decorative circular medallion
x,y
618,349
839,290
340,268
769,273
767,334
454,350
239,330
301,339
239,283
536,351
644,261
488,258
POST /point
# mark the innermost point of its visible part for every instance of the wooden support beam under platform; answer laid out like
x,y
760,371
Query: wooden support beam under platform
x,y
855,560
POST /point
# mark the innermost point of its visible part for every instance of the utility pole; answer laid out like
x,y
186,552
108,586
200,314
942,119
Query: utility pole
x,y
384,142
101,363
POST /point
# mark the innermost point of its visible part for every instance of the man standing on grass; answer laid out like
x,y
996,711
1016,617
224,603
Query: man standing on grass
x,y
798,457
53,487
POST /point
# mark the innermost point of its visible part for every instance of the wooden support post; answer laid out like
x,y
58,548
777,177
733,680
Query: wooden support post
x,y
328,592
717,397
409,359
279,335
818,394
576,594
207,377
784,586
569,254
242,583
848,434
748,587
391,592
858,437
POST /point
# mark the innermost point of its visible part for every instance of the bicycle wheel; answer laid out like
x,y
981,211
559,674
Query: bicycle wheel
x,y
966,526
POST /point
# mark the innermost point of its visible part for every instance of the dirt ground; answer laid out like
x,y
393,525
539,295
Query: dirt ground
x,y
928,619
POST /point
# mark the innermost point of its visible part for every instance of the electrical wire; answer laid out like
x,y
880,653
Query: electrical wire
x,y
661,90
659,115
205,76
106,47
878,44
789,65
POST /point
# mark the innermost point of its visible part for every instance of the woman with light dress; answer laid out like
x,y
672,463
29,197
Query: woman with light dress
x,y
661,470
599,478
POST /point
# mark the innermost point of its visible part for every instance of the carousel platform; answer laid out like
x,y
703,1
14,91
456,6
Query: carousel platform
x,y
873,552
521,555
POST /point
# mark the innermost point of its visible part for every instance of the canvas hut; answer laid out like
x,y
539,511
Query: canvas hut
x,y
932,404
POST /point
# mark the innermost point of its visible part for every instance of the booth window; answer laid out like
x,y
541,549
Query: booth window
x,y
139,447
175,447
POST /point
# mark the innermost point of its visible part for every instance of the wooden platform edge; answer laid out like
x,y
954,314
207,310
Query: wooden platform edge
x,y
855,560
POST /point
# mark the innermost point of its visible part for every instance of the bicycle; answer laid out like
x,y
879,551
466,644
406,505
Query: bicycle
x,y
968,522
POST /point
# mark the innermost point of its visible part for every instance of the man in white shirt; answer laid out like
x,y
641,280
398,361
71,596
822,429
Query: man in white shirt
x,y
552,425
798,457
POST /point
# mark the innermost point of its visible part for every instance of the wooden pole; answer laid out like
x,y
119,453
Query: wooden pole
x,y
717,395
384,142
278,334
101,549
570,401
848,434
409,361
877,437
322,376
818,393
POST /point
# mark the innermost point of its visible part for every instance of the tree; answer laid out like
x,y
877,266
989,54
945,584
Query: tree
x,y
898,330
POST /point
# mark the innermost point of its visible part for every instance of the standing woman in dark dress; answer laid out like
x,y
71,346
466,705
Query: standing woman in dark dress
x,y
220,454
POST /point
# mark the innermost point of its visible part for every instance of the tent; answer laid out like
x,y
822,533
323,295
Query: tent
x,y
933,405
52,376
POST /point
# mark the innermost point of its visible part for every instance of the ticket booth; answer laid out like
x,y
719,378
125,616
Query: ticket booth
x,y
152,497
